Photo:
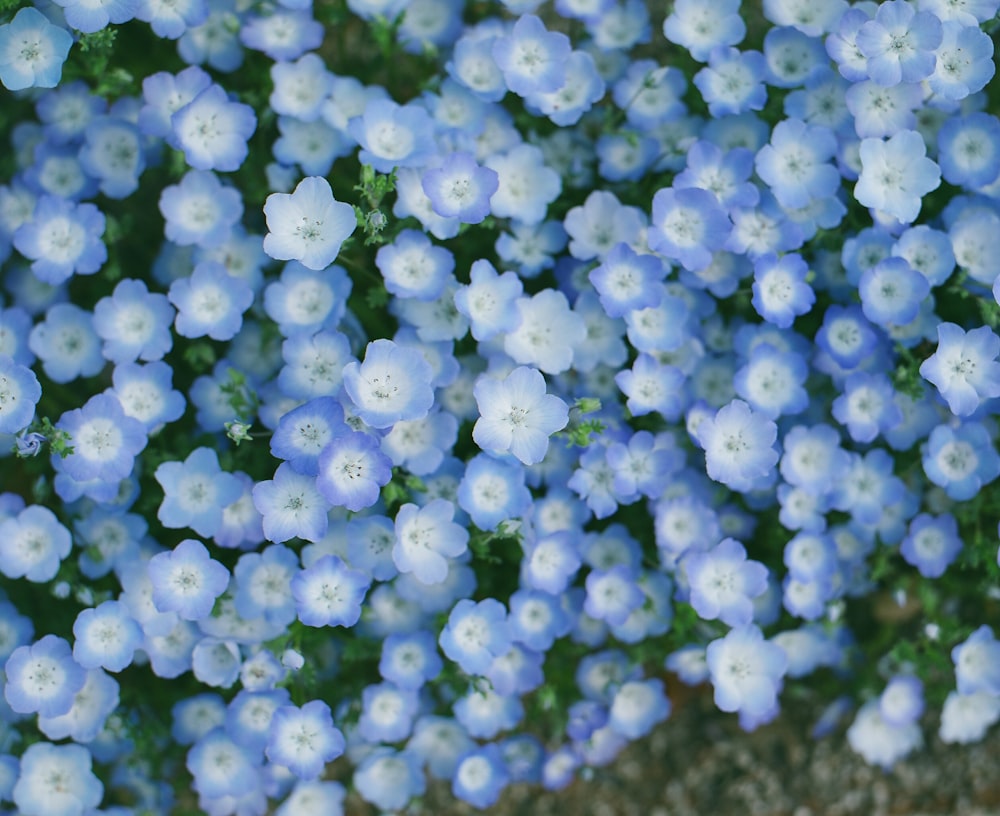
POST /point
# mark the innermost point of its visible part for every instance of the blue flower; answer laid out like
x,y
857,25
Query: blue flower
x,y
19,394
352,471
688,225
213,130
426,537
187,580
304,739
964,367
309,225
392,383
739,445
961,460
516,415
43,678
476,634
531,58
329,593
724,582
896,174
32,51
62,238
899,43
195,492
291,506
79,789
32,544
460,188
746,671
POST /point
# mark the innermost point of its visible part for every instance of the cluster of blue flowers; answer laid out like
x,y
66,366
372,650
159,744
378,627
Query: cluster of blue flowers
x,y
426,383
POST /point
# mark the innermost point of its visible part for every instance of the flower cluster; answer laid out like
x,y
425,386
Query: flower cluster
x,y
396,390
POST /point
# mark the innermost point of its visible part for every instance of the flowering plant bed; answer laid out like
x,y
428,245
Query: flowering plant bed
x,y
403,390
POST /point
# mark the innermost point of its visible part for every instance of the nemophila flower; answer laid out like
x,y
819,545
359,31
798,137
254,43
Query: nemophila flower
x,y
43,678
410,659
701,30
964,61
964,367
545,332
733,81
640,465
164,94
688,225
551,563
460,188
613,594
811,18
146,394
106,637
975,240
329,593
195,492
200,209
880,112
220,766
725,174
812,458
300,87
880,742
263,585
902,700
637,707
866,407
304,432
746,671
216,40
651,386
531,58
391,384
489,300
291,506
896,174
530,248
480,776
795,163
627,281
967,150
773,381
723,582
977,663
426,537
965,718
19,394
931,544
928,251
583,87
212,130
92,706
413,267
303,301
899,43
56,780
387,713
793,58
420,445
314,364
113,154
32,51
476,634
352,470
739,445
134,323
105,440
389,779
308,225
961,460
526,185
187,580
32,544
516,415
892,292
846,336
62,238
304,739
601,223
393,135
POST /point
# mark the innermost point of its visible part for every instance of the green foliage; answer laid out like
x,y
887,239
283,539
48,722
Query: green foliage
x,y
241,398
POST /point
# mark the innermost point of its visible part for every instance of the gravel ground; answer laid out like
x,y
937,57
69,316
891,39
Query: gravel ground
x,y
699,763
